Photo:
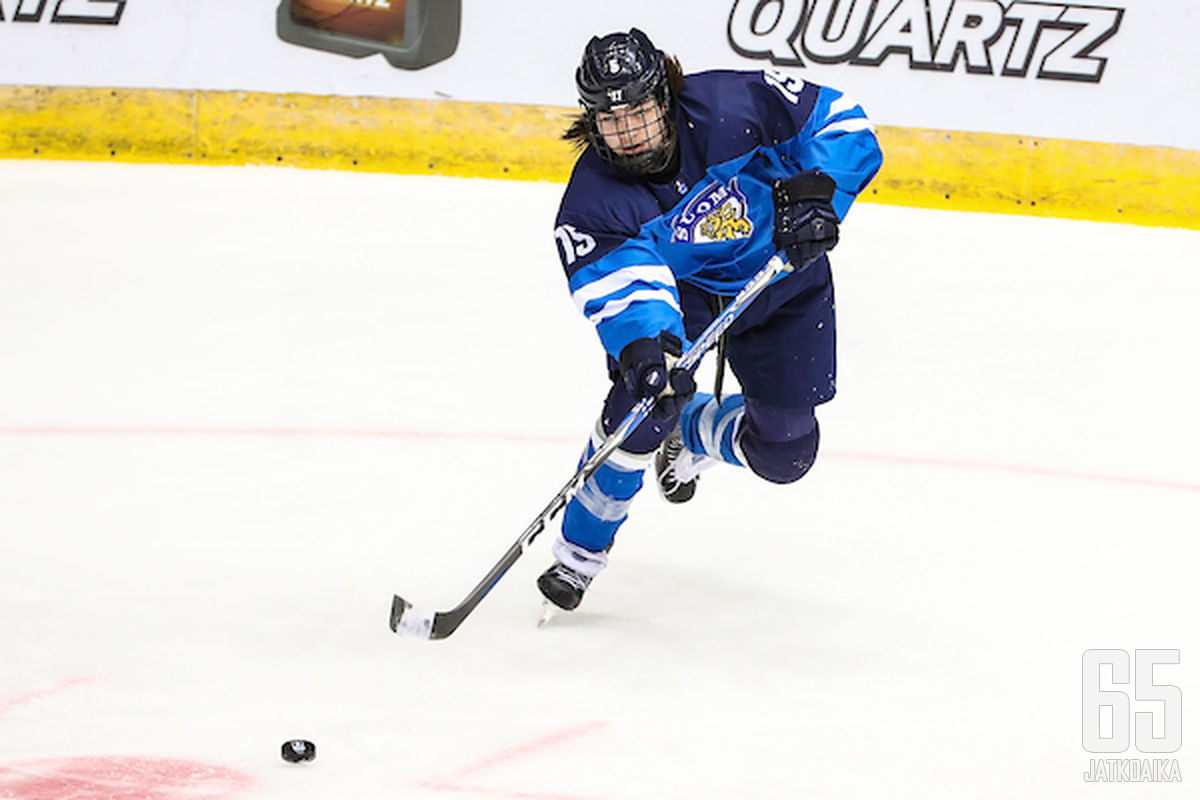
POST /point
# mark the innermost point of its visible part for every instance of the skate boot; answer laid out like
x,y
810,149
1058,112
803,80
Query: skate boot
x,y
678,469
564,583
563,586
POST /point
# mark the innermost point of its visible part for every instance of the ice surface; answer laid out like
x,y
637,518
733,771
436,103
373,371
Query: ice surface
x,y
240,408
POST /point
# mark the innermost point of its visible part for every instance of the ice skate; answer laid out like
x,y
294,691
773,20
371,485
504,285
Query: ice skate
x,y
564,583
563,586
678,469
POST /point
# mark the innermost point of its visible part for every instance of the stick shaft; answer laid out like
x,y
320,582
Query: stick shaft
x,y
445,622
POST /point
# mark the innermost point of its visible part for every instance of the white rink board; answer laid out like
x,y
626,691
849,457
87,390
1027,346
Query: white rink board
x,y
1142,96
226,443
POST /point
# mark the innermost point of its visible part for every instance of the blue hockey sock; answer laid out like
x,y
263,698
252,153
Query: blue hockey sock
x,y
594,514
711,428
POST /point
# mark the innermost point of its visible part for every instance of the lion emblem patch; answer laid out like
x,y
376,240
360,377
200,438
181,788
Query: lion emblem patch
x,y
718,213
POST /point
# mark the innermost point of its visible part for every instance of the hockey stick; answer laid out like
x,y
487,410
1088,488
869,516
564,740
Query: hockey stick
x,y
409,620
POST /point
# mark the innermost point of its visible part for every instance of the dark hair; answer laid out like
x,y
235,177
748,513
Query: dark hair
x,y
577,131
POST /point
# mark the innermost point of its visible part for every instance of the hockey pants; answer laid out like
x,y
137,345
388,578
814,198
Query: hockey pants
x,y
782,351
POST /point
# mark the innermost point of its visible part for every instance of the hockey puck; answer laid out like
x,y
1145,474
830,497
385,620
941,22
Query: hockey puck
x,y
298,750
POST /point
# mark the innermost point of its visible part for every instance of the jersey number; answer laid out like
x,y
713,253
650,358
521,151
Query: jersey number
x,y
788,86
575,245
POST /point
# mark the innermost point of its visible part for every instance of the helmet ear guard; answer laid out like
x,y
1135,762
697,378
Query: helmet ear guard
x,y
624,70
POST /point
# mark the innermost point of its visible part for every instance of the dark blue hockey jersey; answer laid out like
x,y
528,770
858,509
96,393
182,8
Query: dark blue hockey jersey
x,y
625,242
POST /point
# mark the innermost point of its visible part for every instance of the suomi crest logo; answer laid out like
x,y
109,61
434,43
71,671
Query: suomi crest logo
x,y
718,213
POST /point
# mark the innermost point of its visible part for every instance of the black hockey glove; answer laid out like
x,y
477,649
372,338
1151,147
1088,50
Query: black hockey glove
x,y
646,371
806,225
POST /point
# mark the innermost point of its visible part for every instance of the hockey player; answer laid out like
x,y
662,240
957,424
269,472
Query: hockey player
x,y
685,187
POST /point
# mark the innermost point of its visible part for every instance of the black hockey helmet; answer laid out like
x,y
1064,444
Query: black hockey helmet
x,y
620,69
623,70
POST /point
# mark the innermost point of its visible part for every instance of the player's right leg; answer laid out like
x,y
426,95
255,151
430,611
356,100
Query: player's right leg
x,y
590,523
593,516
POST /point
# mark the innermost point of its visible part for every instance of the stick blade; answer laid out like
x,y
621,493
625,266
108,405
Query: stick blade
x,y
408,620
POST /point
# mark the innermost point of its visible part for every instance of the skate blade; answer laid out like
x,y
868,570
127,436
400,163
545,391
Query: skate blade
x,y
549,612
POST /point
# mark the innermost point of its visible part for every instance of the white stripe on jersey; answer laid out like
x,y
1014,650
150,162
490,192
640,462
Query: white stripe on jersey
x,y
843,103
618,280
847,126
615,307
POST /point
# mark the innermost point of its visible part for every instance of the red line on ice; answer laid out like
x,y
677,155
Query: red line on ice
x,y
360,433
94,777
7,704
453,781
1017,470
368,433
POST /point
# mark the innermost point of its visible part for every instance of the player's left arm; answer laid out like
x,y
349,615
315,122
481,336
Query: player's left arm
x,y
839,140
829,154
817,128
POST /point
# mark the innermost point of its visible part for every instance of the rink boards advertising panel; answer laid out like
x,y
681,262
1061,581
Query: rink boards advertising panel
x,y
987,81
